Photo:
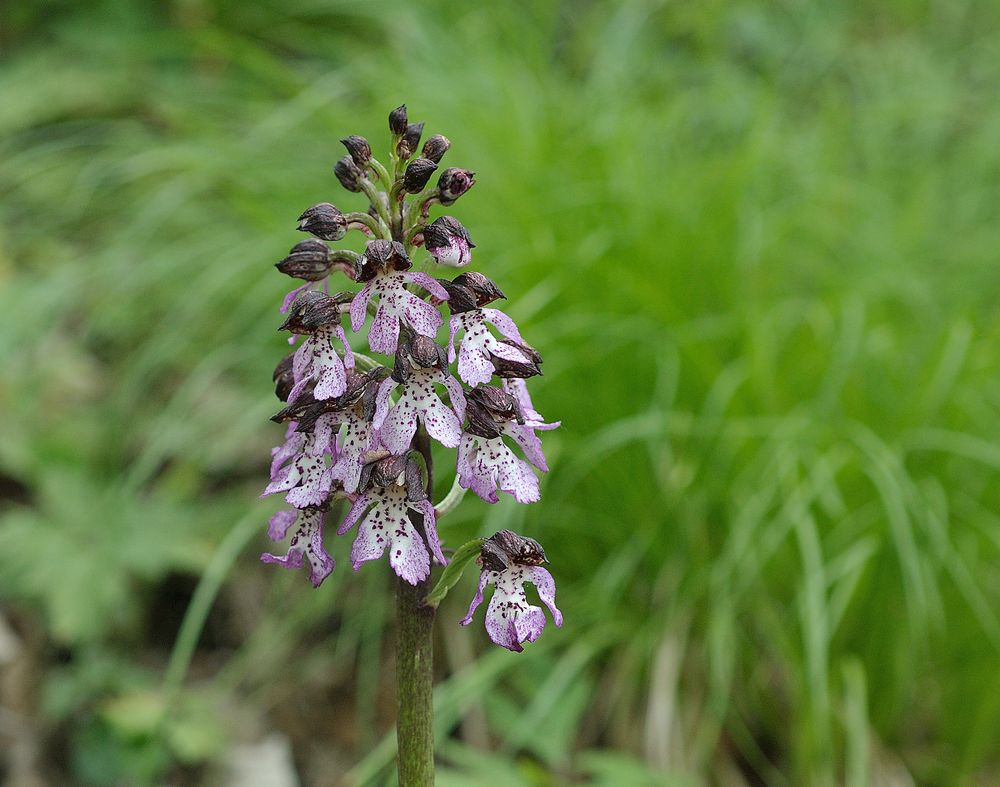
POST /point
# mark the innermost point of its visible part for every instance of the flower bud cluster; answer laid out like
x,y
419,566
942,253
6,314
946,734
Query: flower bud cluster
x,y
359,430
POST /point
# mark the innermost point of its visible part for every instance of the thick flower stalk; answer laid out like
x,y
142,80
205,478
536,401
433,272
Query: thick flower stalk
x,y
359,427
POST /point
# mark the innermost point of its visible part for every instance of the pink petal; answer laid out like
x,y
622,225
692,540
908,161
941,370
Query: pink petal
x,y
428,283
503,323
546,587
384,333
476,600
359,307
456,394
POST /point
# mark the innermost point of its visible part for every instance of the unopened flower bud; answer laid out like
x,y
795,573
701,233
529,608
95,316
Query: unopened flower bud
x,y
411,140
453,183
381,255
312,310
418,172
348,174
436,147
360,150
308,260
324,221
397,120
483,288
448,242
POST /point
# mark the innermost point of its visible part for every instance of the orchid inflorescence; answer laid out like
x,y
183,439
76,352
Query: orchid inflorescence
x,y
359,430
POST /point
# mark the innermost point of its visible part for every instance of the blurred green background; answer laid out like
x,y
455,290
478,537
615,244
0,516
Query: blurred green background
x,y
757,247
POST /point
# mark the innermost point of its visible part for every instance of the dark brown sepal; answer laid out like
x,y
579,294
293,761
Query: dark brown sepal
x,y
397,120
308,260
418,172
312,310
439,233
417,352
506,548
516,369
379,256
483,288
460,299
348,174
500,404
480,420
413,479
324,221
283,379
370,393
411,140
360,150
436,147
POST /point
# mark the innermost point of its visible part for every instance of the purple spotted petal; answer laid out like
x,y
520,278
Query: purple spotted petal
x,y
455,324
358,437
277,525
384,333
529,442
426,508
476,600
485,465
359,507
388,527
306,543
428,283
423,317
382,401
292,446
474,366
456,394
546,587
359,306
399,426
503,323
348,353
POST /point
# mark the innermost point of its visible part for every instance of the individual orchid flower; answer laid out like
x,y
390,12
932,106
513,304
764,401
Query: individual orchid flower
x,y
508,561
384,267
485,462
448,242
420,363
316,316
343,424
468,295
392,488
306,542
306,478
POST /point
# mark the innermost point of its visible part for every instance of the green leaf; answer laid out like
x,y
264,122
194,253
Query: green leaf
x,y
464,555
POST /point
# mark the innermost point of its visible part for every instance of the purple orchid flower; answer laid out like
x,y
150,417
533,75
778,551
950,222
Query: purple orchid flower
x,y
508,561
306,543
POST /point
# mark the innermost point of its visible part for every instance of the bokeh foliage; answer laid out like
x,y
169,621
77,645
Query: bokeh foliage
x,y
756,245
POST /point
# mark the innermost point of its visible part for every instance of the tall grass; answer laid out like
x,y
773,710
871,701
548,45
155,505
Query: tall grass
x,y
757,249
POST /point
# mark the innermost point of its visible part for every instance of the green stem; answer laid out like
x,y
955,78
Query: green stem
x,y
382,172
357,217
451,500
415,662
375,198
415,684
